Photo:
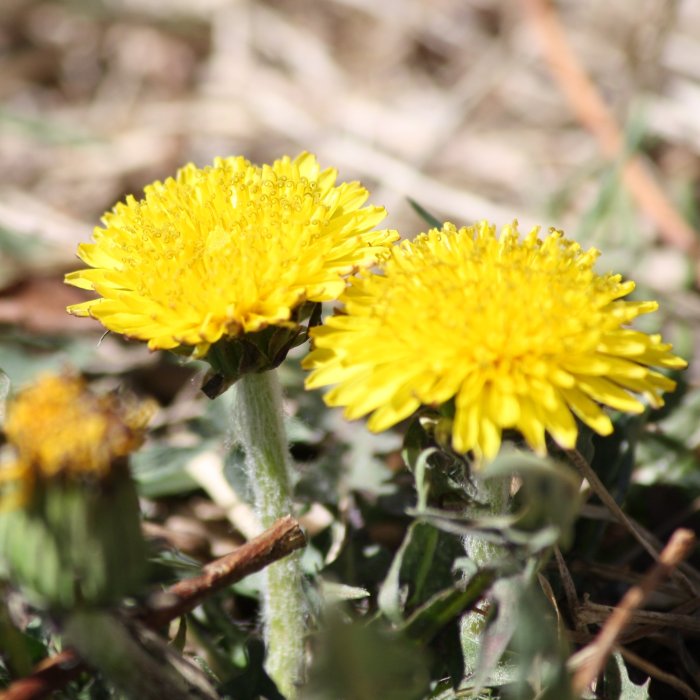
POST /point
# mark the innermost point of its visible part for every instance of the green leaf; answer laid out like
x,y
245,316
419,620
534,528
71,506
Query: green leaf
x,y
415,441
617,684
159,470
421,567
483,655
539,647
427,620
615,455
424,214
253,682
178,641
548,499
518,545
356,661
24,356
20,650
334,592
422,483
439,473
521,646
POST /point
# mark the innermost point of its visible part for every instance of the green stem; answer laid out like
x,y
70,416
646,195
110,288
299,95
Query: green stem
x,y
493,496
257,419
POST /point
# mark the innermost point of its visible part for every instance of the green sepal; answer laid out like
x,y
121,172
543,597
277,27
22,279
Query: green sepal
x,y
264,350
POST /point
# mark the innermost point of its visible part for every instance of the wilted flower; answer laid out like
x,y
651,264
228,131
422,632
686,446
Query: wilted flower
x,y
520,334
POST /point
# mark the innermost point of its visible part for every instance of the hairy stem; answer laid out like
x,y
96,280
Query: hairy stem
x,y
493,496
257,419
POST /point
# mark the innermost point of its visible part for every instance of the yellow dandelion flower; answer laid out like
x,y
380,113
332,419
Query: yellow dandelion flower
x,y
58,428
227,249
70,529
521,333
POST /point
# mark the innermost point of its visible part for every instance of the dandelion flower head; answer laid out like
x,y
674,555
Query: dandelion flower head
x,y
59,428
522,334
225,250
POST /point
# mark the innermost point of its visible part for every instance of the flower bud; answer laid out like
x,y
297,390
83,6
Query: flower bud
x,y
70,528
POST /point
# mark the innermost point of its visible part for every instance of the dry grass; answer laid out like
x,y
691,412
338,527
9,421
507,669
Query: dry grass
x,y
448,102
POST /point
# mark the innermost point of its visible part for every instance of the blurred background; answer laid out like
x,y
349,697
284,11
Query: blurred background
x,y
449,102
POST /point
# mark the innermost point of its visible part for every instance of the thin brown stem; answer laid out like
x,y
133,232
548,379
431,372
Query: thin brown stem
x,y
569,589
596,653
579,461
592,112
283,538
645,631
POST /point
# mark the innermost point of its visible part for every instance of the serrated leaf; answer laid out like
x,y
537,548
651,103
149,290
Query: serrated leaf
x,y
617,684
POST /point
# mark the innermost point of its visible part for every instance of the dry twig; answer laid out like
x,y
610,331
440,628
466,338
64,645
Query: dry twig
x,y
283,538
592,112
596,653
579,461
